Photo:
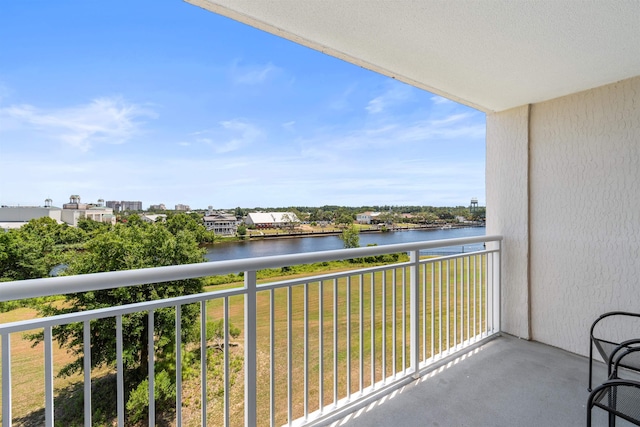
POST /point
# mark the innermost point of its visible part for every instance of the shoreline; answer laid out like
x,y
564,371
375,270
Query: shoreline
x,y
339,232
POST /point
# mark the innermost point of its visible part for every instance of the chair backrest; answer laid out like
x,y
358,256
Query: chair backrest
x,y
628,356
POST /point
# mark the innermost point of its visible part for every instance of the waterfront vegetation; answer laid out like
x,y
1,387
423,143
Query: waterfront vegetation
x,y
136,245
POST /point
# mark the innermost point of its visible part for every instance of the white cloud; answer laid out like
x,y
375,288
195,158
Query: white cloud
x,y
243,134
104,120
231,135
253,74
395,95
341,101
439,100
376,105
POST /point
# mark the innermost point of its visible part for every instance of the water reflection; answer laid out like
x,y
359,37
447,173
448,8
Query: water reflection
x,y
268,247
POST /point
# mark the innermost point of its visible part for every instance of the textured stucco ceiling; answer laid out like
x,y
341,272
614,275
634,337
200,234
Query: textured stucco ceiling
x,y
489,54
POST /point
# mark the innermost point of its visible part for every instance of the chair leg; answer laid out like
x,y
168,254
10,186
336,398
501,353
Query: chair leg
x,y
590,365
612,404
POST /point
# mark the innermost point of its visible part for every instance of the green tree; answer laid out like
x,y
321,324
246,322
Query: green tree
x,y
290,221
191,223
351,237
215,332
242,231
31,251
345,219
126,247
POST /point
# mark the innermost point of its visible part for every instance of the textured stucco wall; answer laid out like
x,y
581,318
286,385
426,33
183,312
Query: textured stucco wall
x,y
507,210
584,211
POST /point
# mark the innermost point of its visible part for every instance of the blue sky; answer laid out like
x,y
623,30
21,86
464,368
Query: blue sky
x,y
163,102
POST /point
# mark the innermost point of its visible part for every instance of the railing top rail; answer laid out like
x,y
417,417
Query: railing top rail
x,y
100,313
97,281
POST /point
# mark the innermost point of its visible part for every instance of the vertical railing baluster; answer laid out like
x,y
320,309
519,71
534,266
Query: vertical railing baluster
x,y
475,297
455,303
348,337
250,354
152,369
468,310
289,356
424,312
448,310
414,313
404,321
440,308
335,341
321,345
306,349
394,313
433,309
178,366
227,390
272,361
7,418
496,284
373,330
203,362
119,372
361,332
384,326
48,377
86,344
483,289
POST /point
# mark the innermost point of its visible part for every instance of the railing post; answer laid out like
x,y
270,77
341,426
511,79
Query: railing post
x,y
414,312
496,286
250,342
6,380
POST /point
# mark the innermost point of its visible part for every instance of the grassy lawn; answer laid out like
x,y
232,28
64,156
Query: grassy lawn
x,y
442,293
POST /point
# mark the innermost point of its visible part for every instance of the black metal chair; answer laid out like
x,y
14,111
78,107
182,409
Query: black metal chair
x,y
609,347
619,397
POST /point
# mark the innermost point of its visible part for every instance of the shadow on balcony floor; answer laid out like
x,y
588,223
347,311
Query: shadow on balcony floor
x,y
505,382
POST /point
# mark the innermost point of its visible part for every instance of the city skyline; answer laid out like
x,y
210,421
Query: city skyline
x,y
168,103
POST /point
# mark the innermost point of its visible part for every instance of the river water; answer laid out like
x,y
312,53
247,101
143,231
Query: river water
x,y
268,247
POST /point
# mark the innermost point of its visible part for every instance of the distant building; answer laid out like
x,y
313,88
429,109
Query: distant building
x,y
71,213
113,204
272,219
160,207
131,205
153,218
367,217
222,224
124,205
75,210
16,216
183,207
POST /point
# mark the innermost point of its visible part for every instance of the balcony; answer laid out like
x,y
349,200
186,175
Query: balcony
x,y
409,343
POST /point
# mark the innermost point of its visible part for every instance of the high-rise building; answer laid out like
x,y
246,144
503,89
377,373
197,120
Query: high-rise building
x,y
131,205
124,205
181,207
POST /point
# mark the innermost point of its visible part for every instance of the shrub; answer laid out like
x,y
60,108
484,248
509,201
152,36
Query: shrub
x,y
165,395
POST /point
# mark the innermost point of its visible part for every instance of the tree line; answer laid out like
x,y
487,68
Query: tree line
x,y
43,247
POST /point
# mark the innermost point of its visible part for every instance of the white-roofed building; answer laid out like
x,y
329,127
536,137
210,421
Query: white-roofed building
x,y
272,219
26,213
153,218
367,217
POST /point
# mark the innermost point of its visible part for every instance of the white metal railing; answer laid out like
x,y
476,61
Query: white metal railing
x,y
341,337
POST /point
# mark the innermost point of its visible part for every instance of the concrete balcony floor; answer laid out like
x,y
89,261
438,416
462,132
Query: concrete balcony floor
x,y
505,382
